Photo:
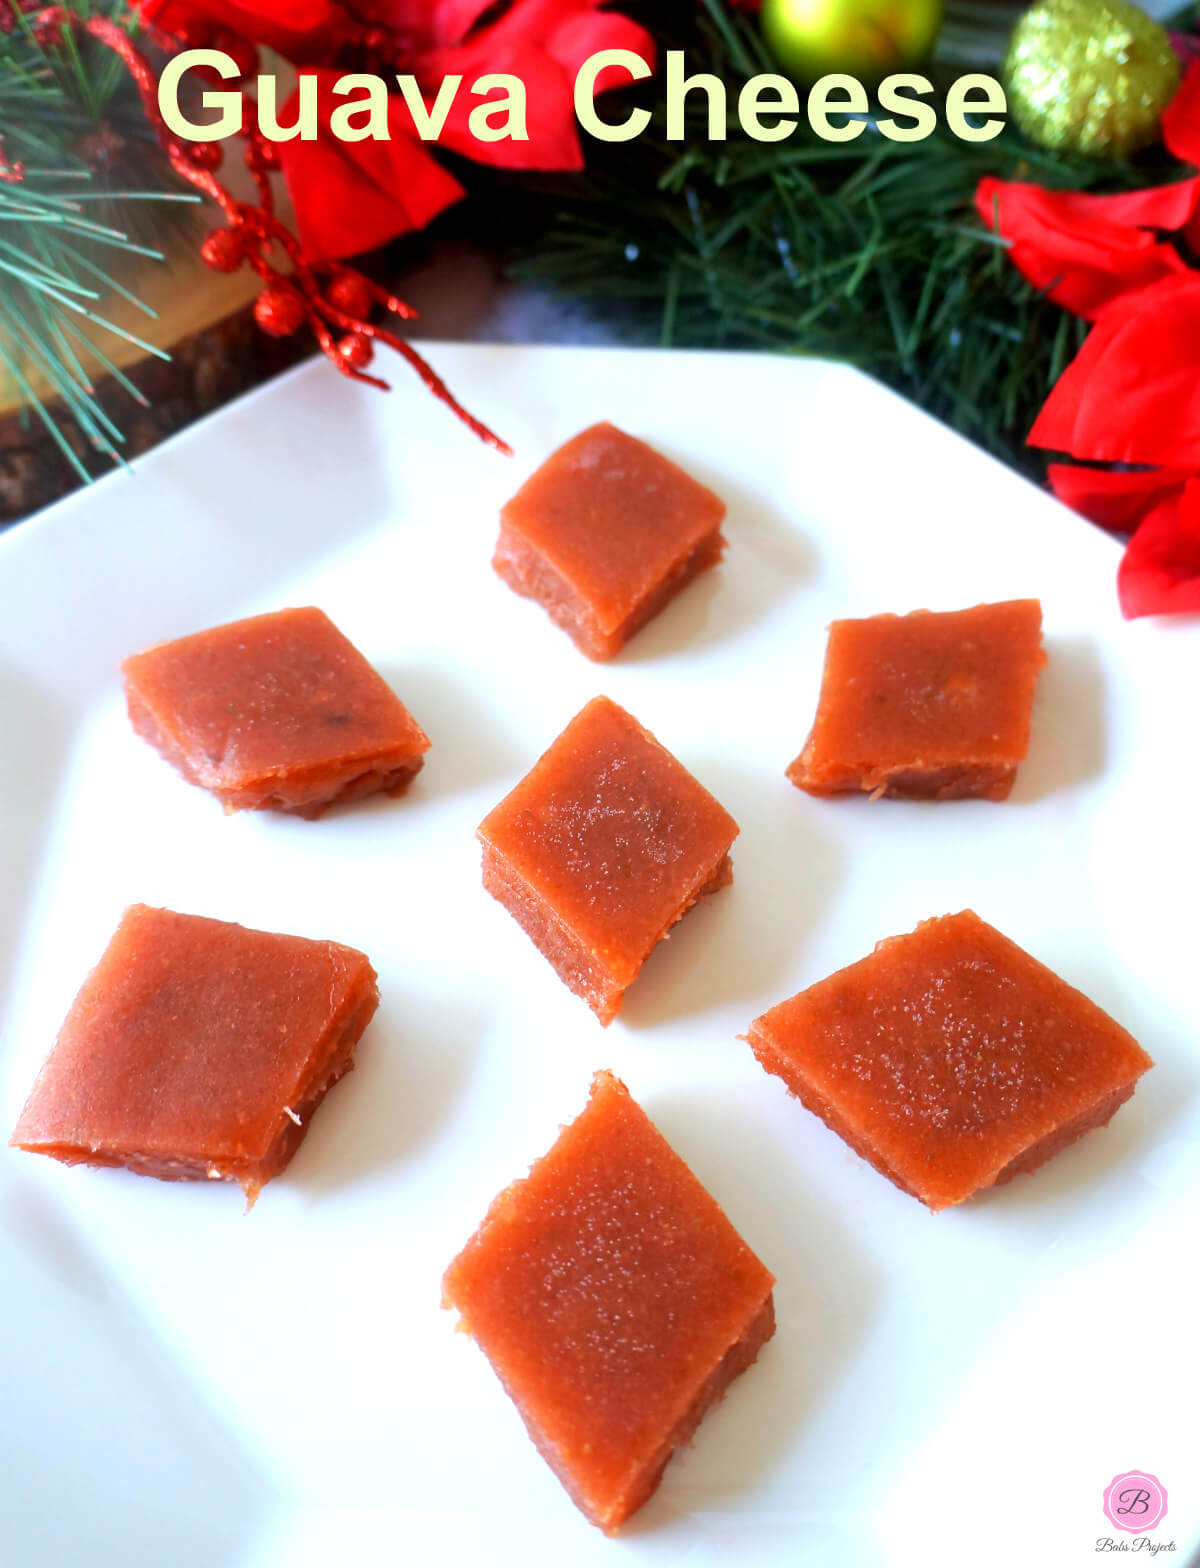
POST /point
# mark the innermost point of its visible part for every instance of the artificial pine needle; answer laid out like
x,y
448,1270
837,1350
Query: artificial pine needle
x,y
58,221
866,251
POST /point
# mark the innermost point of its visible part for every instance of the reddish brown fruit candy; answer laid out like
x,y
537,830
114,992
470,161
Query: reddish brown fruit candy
x,y
279,712
950,1059
615,1301
199,1050
927,706
604,844
605,534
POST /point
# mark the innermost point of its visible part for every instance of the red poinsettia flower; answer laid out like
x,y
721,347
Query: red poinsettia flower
x,y
423,24
1085,251
1159,573
1116,499
1181,121
352,196
543,42
1131,396
299,29
1132,393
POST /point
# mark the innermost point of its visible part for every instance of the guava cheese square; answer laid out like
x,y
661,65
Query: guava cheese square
x,y
950,1059
927,706
615,1301
602,847
199,1050
605,534
279,712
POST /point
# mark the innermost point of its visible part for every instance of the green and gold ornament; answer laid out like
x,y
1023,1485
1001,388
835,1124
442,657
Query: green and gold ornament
x,y
869,39
1090,76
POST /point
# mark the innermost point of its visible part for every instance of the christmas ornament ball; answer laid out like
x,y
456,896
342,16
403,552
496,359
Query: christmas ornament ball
x,y
864,38
1090,76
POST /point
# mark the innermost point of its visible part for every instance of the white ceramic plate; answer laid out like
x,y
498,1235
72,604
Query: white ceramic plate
x,y
190,1387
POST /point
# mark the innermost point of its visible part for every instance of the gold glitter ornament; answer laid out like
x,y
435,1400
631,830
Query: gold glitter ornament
x,y
1090,76
865,38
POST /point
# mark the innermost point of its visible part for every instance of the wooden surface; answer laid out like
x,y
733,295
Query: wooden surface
x,y
201,318
205,370
187,296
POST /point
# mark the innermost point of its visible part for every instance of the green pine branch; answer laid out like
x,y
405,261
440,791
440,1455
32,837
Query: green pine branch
x,y
869,251
92,177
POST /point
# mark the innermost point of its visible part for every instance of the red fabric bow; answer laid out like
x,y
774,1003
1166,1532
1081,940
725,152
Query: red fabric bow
x,y
1132,393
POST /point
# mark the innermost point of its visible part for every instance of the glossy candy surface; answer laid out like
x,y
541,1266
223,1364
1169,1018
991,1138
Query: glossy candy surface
x,y
605,534
604,844
278,712
199,1049
927,706
615,1301
950,1058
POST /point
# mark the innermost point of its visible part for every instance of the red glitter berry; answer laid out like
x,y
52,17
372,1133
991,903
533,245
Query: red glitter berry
x,y
356,350
47,28
350,294
205,155
268,152
224,250
279,310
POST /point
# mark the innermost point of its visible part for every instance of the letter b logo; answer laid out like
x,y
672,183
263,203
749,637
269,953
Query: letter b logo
x,y
1135,1501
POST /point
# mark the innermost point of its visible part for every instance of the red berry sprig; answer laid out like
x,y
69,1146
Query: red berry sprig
x,y
325,297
